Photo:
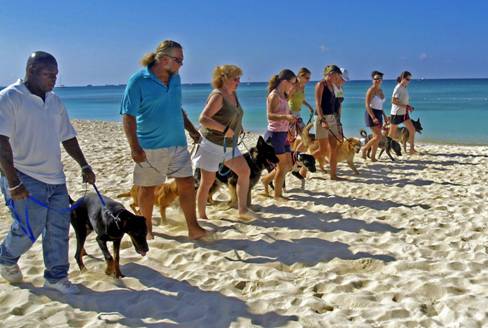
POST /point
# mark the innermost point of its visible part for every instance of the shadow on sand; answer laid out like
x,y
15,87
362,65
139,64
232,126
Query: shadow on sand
x,y
165,299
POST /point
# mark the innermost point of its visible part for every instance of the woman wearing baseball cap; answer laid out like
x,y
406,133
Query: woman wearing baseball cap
x,y
327,129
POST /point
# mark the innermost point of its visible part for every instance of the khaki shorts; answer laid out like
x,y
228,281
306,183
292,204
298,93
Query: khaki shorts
x,y
172,162
323,133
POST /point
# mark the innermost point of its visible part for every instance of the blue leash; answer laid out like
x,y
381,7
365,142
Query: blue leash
x,y
27,230
234,146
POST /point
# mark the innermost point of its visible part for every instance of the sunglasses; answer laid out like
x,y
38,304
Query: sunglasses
x,y
237,79
408,79
177,60
378,78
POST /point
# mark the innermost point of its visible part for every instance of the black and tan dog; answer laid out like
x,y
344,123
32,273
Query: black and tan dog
x,y
404,134
258,158
110,224
300,160
386,144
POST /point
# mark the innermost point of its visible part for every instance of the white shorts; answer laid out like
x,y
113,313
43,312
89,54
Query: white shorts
x,y
209,155
172,162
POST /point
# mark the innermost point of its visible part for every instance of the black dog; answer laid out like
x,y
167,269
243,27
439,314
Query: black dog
x,y
110,224
300,160
386,144
404,134
258,158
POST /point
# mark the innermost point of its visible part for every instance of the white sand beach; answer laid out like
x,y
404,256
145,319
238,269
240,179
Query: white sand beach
x,y
403,244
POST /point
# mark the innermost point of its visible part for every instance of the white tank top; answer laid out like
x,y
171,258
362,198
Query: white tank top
x,y
377,102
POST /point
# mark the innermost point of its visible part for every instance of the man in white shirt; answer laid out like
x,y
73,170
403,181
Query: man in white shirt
x,y
33,123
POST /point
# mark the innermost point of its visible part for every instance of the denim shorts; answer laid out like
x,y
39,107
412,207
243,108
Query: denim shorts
x,y
279,141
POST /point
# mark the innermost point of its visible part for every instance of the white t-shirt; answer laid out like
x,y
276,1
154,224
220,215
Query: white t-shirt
x,y
35,130
401,93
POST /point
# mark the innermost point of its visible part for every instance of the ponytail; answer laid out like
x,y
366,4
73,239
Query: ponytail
x,y
164,48
273,83
403,75
148,59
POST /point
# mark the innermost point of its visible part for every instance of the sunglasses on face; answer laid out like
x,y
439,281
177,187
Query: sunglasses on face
x,y
237,79
408,79
378,78
177,60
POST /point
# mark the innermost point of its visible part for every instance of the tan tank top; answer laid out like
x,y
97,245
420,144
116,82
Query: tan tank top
x,y
228,115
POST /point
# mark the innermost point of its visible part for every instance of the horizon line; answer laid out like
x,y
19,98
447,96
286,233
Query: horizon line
x,y
249,82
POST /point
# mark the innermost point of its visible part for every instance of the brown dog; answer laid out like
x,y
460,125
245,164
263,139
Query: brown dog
x,y
165,195
345,150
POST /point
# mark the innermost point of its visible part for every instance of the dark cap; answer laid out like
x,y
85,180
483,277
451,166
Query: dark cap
x,y
329,69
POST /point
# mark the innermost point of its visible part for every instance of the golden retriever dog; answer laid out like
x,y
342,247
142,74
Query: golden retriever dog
x,y
165,194
345,152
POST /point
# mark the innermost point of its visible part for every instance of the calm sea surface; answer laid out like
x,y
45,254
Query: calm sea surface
x,y
451,111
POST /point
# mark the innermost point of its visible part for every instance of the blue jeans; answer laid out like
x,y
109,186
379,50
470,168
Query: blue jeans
x,y
54,226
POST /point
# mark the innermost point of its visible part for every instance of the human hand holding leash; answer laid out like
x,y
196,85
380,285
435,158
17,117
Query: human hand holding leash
x,y
18,192
88,175
229,133
323,123
138,155
290,118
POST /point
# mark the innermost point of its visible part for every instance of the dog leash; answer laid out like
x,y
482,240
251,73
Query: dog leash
x,y
106,210
222,165
27,229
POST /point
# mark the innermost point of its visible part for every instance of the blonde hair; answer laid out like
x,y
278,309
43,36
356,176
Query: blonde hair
x,y
164,48
224,73
304,71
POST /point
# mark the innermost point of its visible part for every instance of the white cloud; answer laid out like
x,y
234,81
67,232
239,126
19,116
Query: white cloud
x,y
423,56
323,48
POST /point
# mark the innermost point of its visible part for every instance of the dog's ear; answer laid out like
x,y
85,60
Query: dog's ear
x,y
260,142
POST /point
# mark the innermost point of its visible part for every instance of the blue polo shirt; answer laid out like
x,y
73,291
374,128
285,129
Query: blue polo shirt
x,y
157,109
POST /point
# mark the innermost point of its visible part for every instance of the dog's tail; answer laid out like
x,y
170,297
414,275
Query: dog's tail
x,y
363,133
306,140
125,194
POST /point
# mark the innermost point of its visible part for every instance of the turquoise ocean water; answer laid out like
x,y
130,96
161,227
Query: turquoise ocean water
x,y
451,111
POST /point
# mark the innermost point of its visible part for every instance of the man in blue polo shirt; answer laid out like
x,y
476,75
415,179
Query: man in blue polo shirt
x,y
154,126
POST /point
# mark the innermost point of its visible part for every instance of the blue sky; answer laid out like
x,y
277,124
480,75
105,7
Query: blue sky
x,y
101,42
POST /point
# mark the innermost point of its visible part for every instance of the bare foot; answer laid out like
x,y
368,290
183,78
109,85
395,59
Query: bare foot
x,y
150,236
198,233
336,178
248,216
412,152
363,155
281,198
266,188
373,159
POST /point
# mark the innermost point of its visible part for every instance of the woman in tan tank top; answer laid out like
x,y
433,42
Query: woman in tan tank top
x,y
221,122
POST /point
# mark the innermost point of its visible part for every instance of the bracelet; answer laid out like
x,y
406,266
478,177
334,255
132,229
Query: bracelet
x,y
85,167
16,187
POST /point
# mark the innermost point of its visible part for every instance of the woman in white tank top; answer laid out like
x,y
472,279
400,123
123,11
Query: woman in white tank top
x,y
374,114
